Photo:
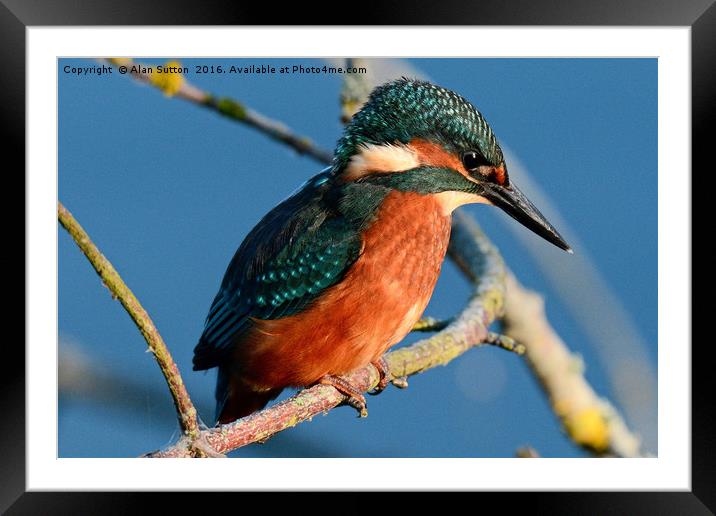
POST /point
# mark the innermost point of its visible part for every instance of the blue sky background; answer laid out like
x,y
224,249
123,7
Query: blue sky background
x,y
168,190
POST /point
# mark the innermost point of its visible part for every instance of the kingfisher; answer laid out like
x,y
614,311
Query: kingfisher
x,y
341,270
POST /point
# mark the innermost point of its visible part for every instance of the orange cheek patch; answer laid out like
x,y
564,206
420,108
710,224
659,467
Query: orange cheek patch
x,y
435,155
500,175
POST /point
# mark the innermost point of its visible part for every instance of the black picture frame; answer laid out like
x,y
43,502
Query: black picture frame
x,y
700,15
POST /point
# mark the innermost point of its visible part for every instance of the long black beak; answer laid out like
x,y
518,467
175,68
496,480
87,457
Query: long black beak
x,y
519,207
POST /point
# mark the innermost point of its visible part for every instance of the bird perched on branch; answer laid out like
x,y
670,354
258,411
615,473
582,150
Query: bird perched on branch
x,y
340,271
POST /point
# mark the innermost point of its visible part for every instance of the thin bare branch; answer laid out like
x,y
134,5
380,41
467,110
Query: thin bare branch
x,y
589,420
527,452
119,290
175,84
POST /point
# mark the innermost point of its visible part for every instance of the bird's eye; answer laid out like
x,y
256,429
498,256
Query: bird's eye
x,y
473,159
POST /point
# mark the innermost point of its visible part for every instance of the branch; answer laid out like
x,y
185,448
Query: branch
x,y
175,84
480,260
113,281
590,421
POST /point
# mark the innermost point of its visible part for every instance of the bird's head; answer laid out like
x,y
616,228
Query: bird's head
x,y
416,136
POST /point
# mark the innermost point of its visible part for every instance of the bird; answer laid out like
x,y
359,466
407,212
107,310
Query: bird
x,y
341,270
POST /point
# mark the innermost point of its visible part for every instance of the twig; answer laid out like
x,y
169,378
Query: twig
x,y
527,452
119,290
429,324
175,84
505,342
469,330
590,421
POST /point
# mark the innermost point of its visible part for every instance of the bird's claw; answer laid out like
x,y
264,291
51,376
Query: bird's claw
x,y
354,397
384,372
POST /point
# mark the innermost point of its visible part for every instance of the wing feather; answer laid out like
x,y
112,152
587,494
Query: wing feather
x,y
296,252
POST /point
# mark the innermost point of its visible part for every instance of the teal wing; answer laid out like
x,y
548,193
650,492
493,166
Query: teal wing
x,y
293,255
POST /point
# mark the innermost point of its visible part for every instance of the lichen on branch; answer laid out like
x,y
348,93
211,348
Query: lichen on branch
x,y
589,420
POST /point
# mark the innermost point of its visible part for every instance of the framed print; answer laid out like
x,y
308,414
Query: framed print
x,y
272,212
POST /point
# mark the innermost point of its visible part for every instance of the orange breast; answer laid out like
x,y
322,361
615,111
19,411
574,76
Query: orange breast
x,y
375,305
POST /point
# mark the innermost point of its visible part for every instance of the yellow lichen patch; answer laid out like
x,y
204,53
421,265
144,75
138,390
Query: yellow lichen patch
x,y
350,107
561,407
169,81
588,428
120,60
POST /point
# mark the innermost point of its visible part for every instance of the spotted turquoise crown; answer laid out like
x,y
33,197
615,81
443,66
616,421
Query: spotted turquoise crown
x,y
405,109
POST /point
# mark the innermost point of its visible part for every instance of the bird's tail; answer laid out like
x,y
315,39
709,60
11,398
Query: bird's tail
x,y
236,399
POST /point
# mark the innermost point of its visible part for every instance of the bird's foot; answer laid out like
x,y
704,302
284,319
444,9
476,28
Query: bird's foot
x,y
354,397
384,372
